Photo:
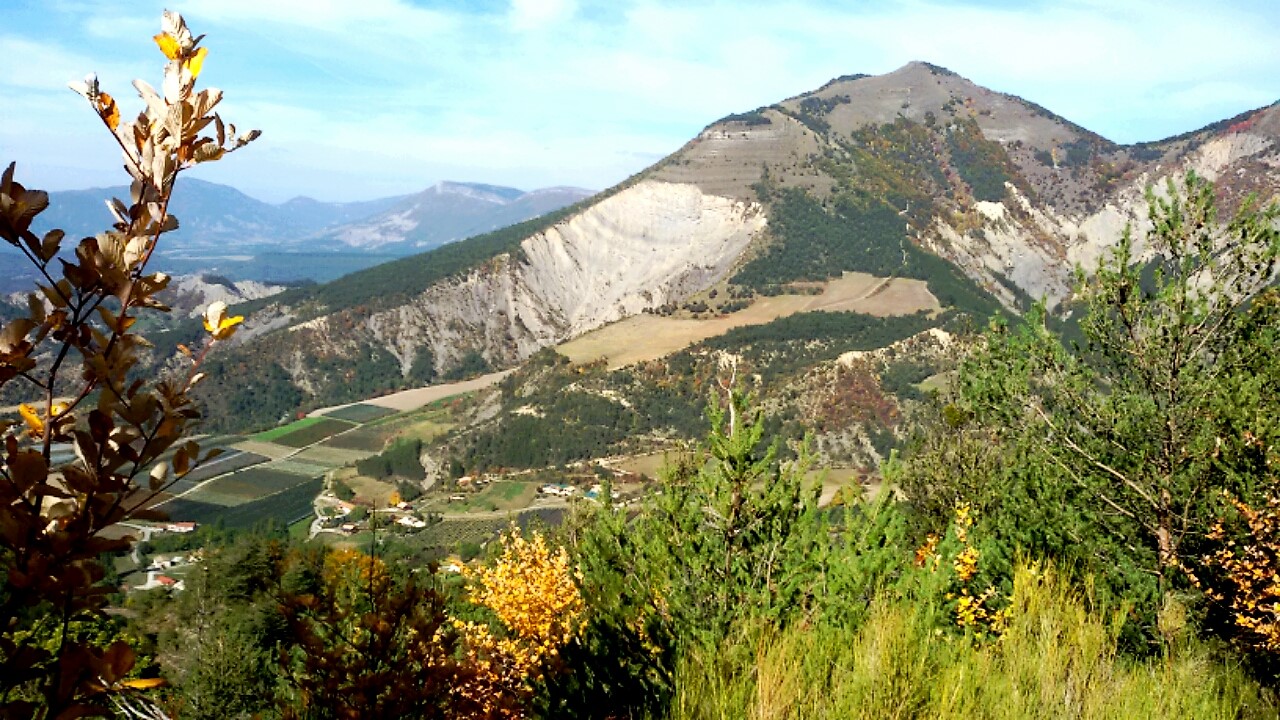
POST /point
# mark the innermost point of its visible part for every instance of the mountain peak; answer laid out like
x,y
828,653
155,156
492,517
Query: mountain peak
x,y
477,191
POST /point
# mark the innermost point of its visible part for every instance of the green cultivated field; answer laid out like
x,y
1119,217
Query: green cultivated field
x,y
312,432
365,439
275,433
287,506
360,413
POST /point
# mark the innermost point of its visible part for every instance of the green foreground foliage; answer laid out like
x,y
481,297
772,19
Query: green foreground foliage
x,y
1058,658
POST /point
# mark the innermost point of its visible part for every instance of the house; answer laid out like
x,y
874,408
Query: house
x,y
156,580
559,490
411,522
180,527
594,492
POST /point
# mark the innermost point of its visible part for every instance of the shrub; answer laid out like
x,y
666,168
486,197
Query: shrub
x,y
75,343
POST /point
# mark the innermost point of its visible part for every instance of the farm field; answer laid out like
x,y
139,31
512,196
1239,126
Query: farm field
x,y
649,337
418,397
365,440
313,432
648,465
330,456
247,485
424,425
501,495
286,506
367,489
276,433
269,449
228,462
359,413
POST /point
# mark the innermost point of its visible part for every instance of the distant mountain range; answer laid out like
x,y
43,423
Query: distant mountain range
x,y
447,212
224,231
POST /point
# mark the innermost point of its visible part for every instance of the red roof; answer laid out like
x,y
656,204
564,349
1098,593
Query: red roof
x,y
166,580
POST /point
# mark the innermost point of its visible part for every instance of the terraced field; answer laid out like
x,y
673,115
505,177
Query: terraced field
x,y
313,432
359,413
286,506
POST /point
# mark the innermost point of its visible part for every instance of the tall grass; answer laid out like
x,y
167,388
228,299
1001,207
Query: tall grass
x,y
1057,659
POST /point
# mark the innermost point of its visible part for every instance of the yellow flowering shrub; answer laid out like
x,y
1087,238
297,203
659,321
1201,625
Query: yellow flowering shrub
x,y
1243,574
974,609
532,591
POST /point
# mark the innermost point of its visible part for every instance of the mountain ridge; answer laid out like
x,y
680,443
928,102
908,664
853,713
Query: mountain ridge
x,y
919,173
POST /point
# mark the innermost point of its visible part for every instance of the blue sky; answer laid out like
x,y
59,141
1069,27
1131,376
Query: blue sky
x,y
366,98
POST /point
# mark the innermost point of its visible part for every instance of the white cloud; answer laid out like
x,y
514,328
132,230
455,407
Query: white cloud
x,y
527,15
48,66
383,17
364,94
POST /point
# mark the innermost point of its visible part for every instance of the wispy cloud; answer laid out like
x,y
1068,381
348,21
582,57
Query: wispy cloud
x,y
379,96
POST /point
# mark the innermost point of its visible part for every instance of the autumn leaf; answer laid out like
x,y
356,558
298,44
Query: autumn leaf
x,y
109,111
35,423
168,45
217,323
196,62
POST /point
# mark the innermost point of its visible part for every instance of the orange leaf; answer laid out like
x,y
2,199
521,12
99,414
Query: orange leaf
x,y
109,111
35,423
168,45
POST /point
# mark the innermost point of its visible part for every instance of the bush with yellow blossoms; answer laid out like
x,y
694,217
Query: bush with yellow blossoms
x,y
1241,577
531,590
73,355
974,604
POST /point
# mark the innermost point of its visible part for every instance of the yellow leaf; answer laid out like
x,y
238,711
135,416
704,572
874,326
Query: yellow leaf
x,y
145,683
226,327
35,424
168,45
196,62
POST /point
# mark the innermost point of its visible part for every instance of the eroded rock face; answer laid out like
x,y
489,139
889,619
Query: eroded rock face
x,y
1037,248
191,294
650,244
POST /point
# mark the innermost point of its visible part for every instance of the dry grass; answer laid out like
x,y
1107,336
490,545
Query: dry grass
x,y
649,337
370,491
648,465
418,397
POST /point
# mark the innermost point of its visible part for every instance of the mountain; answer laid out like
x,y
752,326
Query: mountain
x,y
211,215
450,211
938,198
224,231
